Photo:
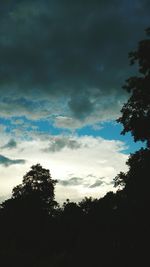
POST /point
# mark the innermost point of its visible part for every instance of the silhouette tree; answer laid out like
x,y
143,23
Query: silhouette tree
x,y
88,204
134,184
31,211
136,181
136,116
37,187
136,112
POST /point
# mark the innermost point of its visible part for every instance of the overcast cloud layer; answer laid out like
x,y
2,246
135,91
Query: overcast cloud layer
x,y
67,60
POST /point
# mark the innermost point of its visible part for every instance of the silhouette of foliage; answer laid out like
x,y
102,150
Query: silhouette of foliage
x,y
38,185
136,112
136,181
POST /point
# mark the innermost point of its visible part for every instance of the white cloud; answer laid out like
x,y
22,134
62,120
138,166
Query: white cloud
x,y
2,128
67,122
95,158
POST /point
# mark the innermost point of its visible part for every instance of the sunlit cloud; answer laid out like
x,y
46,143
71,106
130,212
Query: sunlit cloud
x,y
84,165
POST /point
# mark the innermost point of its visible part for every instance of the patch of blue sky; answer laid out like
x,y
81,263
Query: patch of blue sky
x,y
41,126
112,131
6,123
107,130
46,126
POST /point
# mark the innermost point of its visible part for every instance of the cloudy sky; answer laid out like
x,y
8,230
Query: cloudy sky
x,y
62,67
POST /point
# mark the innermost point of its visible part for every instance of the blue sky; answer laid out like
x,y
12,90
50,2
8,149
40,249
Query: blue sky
x,y
63,65
110,130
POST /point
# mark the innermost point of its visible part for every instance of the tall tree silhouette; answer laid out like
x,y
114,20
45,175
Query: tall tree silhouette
x,y
136,112
136,181
135,198
31,211
37,186
136,116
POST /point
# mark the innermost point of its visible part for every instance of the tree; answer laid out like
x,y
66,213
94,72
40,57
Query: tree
x,y
88,204
30,211
136,112
37,187
136,181
136,119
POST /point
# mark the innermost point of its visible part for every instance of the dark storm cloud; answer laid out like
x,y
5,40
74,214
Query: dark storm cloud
x,y
7,162
67,57
81,106
11,144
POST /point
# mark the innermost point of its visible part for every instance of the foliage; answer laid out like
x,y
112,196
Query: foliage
x,y
37,187
87,204
136,112
136,181
136,119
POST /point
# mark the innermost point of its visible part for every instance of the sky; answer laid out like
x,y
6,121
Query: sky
x,y
62,67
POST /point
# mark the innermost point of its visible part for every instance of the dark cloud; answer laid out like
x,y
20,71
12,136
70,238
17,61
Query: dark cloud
x,y
96,184
67,57
11,144
7,162
74,181
81,106
60,142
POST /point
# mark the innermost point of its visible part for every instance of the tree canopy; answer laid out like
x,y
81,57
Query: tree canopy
x,y
37,186
136,112
136,119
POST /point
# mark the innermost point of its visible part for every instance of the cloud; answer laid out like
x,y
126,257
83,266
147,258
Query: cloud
x,y
7,162
89,181
18,122
60,142
2,198
75,169
10,145
67,59
74,181
2,128
67,122
81,106
96,184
